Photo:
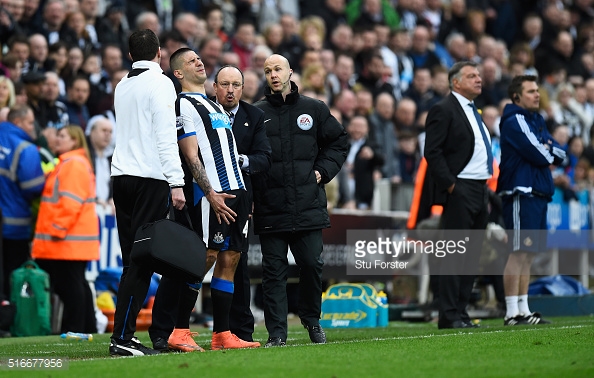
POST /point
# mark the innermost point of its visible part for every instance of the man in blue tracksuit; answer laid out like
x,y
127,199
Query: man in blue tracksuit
x,y
526,186
21,180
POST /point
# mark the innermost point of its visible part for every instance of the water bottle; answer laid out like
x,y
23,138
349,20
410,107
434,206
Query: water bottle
x,y
382,311
77,336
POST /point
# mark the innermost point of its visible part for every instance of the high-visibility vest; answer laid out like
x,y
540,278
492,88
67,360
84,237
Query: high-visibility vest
x,y
67,225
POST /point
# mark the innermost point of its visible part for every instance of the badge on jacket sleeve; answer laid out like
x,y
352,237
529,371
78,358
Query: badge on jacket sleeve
x,y
304,122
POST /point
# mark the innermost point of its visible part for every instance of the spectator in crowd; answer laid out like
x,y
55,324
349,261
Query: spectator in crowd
x,y
357,175
67,232
242,43
186,24
75,61
343,76
346,103
420,52
273,36
77,94
211,50
362,13
58,52
457,47
526,185
292,46
251,86
214,22
24,184
7,95
283,11
12,67
405,115
396,59
34,82
494,83
90,11
57,113
567,111
421,91
409,156
54,26
372,76
148,20
333,14
76,22
38,57
99,83
491,118
299,225
364,102
459,159
113,27
157,183
383,131
341,39
19,46
99,138
532,31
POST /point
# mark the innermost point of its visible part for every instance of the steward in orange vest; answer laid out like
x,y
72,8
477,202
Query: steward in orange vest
x,y
67,225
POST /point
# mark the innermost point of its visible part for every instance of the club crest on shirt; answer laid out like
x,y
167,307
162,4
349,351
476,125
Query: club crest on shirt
x,y
528,242
304,122
218,238
179,122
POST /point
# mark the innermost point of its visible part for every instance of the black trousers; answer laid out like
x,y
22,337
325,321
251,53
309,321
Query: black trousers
x,y
14,254
67,280
465,209
306,247
138,201
241,319
173,305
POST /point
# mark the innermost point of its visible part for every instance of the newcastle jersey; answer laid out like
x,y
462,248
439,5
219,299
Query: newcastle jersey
x,y
197,115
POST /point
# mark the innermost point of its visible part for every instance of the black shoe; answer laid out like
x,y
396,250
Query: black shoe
x,y
274,342
129,348
450,325
316,334
535,318
516,320
160,345
470,324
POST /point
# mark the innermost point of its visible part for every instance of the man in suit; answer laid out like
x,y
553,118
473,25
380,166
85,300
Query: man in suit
x,y
254,156
459,158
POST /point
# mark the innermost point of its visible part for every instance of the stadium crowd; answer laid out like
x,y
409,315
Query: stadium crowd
x,y
380,65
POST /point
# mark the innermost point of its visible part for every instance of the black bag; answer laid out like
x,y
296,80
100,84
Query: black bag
x,y
171,249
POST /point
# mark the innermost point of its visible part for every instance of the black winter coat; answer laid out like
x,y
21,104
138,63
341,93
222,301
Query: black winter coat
x,y
304,137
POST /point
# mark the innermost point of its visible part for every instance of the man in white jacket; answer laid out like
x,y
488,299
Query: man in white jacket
x,y
146,168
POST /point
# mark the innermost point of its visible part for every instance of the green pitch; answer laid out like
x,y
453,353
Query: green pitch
x,y
562,349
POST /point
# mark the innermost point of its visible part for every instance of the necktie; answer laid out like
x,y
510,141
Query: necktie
x,y
479,120
231,118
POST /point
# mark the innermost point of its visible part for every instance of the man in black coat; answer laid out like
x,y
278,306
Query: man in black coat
x,y
254,153
309,147
459,158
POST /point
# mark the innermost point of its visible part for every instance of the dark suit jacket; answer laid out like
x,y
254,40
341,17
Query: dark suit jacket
x,y
449,144
251,139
